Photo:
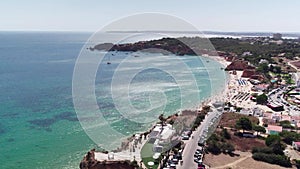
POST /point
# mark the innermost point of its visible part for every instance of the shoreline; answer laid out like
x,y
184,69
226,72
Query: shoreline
x,y
125,150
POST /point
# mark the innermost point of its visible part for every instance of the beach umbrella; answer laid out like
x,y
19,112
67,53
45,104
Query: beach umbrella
x,y
151,163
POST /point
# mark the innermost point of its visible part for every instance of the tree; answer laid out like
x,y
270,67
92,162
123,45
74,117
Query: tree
x,y
277,148
286,124
213,147
289,137
263,68
262,99
226,134
228,148
259,129
244,123
272,139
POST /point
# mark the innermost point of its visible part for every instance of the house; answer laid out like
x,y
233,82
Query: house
x,y
267,118
257,112
295,120
260,87
161,136
296,145
247,53
246,112
286,118
263,61
274,130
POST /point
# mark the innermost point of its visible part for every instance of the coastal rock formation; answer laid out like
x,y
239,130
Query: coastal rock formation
x,y
89,162
239,65
249,72
171,45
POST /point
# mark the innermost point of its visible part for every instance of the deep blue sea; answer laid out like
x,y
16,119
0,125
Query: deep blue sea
x,y
38,124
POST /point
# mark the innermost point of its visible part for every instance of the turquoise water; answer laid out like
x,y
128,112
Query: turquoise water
x,y
38,124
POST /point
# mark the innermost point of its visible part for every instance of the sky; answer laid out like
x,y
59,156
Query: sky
x,y
206,15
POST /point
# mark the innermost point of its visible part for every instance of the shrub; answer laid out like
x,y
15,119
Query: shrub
x,y
272,139
214,147
225,134
272,159
289,137
266,150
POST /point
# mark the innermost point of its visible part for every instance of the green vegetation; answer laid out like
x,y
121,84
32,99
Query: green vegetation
x,y
259,129
225,134
147,155
272,159
200,117
275,69
262,99
217,144
289,137
273,153
272,139
286,124
258,49
244,123
263,68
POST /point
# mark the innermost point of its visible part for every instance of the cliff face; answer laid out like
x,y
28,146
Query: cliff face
x,y
89,162
239,65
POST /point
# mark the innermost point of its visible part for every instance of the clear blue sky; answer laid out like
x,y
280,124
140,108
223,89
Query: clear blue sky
x,y
91,15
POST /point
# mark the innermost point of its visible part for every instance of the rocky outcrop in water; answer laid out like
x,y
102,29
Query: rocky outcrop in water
x,y
172,45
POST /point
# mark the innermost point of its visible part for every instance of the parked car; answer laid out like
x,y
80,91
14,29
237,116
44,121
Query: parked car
x,y
198,160
185,137
175,161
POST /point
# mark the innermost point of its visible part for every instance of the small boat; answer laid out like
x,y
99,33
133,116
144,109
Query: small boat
x,y
207,61
108,62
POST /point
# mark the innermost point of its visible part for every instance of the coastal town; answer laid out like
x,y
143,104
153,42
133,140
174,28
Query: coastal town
x,y
254,123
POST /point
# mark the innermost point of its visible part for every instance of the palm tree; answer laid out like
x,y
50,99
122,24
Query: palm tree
x,y
162,121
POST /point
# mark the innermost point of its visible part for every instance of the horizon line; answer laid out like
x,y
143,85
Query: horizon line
x,y
130,31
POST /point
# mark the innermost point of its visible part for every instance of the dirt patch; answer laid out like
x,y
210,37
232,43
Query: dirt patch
x,y
246,144
249,163
219,160
229,119
243,161
242,143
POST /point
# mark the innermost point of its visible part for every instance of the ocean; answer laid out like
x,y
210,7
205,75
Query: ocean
x,y
39,127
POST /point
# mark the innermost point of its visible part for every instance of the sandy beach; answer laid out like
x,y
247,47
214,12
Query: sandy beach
x,y
133,150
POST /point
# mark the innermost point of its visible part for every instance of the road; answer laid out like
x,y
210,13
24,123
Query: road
x,y
293,154
192,144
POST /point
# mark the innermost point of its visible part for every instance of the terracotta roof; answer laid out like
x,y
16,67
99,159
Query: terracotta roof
x,y
295,118
268,115
274,128
297,143
286,117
